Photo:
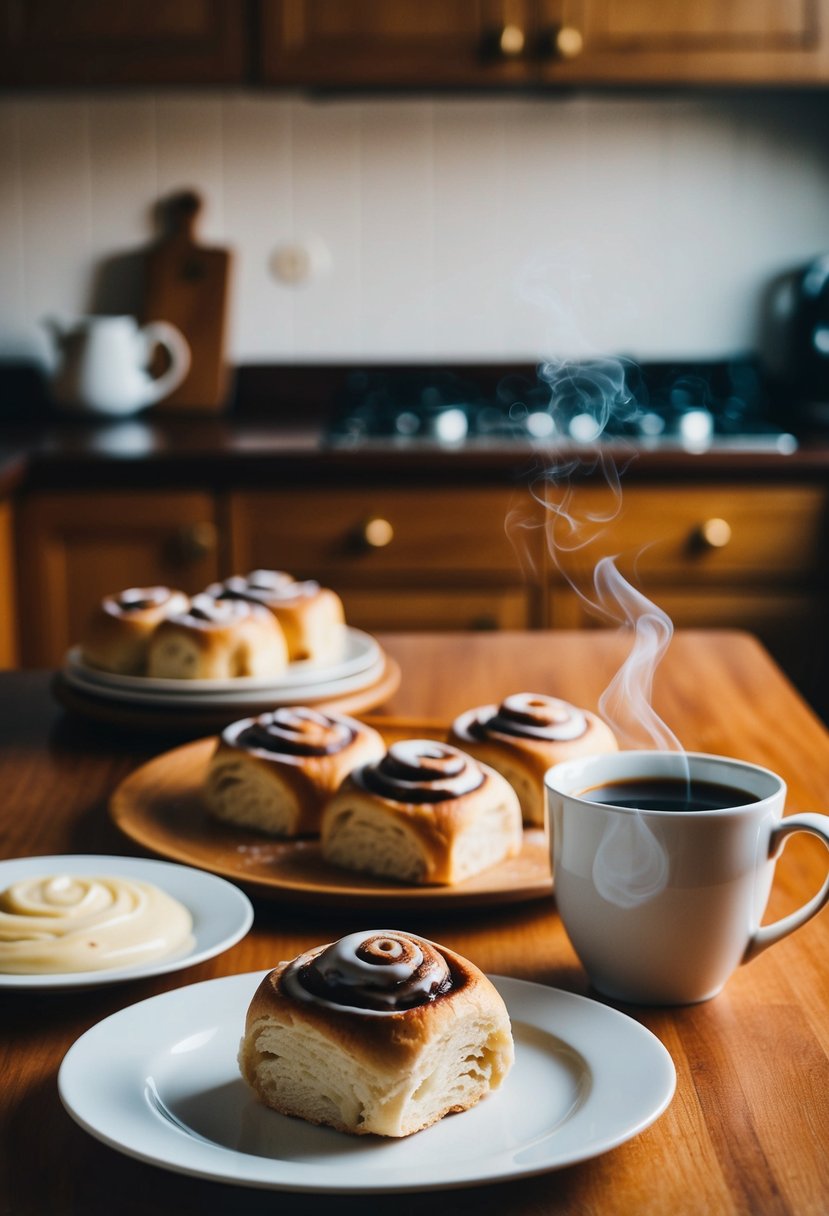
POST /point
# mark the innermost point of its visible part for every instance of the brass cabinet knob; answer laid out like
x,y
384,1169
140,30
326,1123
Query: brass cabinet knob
x,y
193,542
714,533
376,532
564,42
511,41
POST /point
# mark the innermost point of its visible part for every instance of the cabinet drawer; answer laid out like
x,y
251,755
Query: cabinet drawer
x,y
365,532
436,608
699,532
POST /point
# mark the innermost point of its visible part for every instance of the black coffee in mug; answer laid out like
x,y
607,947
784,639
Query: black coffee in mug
x,y
668,794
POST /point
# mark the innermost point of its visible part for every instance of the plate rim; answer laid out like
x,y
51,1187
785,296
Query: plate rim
x,y
516,992
151,869
74,662
383,894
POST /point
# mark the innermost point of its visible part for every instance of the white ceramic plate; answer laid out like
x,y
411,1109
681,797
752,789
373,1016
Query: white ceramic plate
x,y
263,698
222,914
360,652
159,1081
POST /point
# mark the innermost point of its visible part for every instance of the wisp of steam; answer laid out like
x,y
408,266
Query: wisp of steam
x,y
584,397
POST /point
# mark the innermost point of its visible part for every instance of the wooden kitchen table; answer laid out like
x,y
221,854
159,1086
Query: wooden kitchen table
x,y
747,1129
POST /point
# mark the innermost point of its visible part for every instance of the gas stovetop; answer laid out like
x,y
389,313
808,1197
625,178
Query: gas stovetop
x,y
692,407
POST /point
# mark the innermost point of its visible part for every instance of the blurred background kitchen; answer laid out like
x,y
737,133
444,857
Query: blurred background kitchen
x,y
372,221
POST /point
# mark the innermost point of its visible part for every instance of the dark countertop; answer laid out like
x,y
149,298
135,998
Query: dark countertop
x,y
221,452
273,431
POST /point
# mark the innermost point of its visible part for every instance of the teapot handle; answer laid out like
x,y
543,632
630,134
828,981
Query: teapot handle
x,y
162,333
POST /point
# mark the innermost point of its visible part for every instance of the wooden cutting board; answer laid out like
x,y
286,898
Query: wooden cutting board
x,y
188,285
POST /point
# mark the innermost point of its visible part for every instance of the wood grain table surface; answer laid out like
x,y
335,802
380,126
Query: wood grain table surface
x,y
748,1129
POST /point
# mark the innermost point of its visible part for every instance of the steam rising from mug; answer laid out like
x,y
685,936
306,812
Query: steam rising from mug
x,y
591,393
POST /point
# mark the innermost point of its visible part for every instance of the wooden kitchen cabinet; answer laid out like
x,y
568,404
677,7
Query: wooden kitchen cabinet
x,y
492,43
404,559
399,43
56,43
710,555
75,548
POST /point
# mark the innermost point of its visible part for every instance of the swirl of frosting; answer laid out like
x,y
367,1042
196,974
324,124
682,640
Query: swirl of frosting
x,y
138,599
420,770
69,923
206,611
292,731
372,972
269,587
531,715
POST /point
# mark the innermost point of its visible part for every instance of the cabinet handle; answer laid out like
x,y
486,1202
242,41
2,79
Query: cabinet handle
x,y
563,42
511,41
195,541
714,533
376,533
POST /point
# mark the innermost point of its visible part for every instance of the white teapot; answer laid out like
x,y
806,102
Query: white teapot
x,y
104,361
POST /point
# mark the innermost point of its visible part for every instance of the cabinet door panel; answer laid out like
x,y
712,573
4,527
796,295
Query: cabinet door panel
x,y
96,42
695,41
414,609
8,613
393,42
77,548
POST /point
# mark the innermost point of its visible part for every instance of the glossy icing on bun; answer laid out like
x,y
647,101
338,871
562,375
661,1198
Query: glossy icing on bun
x,y
526,734
379,1033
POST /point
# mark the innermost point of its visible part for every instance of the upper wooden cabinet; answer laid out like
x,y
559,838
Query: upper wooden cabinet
x,y
47,43
409,44
490,43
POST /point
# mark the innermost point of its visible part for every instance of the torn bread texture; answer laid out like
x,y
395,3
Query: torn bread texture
x,y
442,843
383,1074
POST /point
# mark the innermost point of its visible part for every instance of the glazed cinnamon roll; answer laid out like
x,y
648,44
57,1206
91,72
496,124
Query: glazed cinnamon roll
x,y
274,773
311,616
118,633
426,813
381,1032
217,640
527,734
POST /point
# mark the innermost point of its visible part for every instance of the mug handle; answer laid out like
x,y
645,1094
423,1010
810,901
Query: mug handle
x,y
162,333
767,935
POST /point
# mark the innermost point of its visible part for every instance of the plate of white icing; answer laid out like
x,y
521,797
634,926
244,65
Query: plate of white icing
x,y
159,1082
78,921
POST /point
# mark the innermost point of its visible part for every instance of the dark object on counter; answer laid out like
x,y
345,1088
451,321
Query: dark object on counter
x,y
187,284
796,344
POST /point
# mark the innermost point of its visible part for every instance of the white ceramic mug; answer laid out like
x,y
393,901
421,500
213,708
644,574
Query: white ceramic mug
x,y
662,905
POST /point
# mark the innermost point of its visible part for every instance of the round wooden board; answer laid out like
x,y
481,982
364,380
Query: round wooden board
x,y
190,722
160,807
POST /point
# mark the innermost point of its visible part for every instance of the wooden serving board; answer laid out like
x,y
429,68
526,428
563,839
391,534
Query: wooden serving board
x,y
160,807
188,285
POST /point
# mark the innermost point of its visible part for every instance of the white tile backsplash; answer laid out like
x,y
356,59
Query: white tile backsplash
x,y
478,228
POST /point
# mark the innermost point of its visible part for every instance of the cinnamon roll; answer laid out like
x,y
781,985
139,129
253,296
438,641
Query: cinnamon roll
x,y
381,1032
217,640
275,772
425,813
311,616
118,632
527,734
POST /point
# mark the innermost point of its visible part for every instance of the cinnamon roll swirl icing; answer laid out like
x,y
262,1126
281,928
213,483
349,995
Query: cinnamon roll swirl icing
x,y
139,599
530,715
292,731
207,612
264,587
376,972
420,770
